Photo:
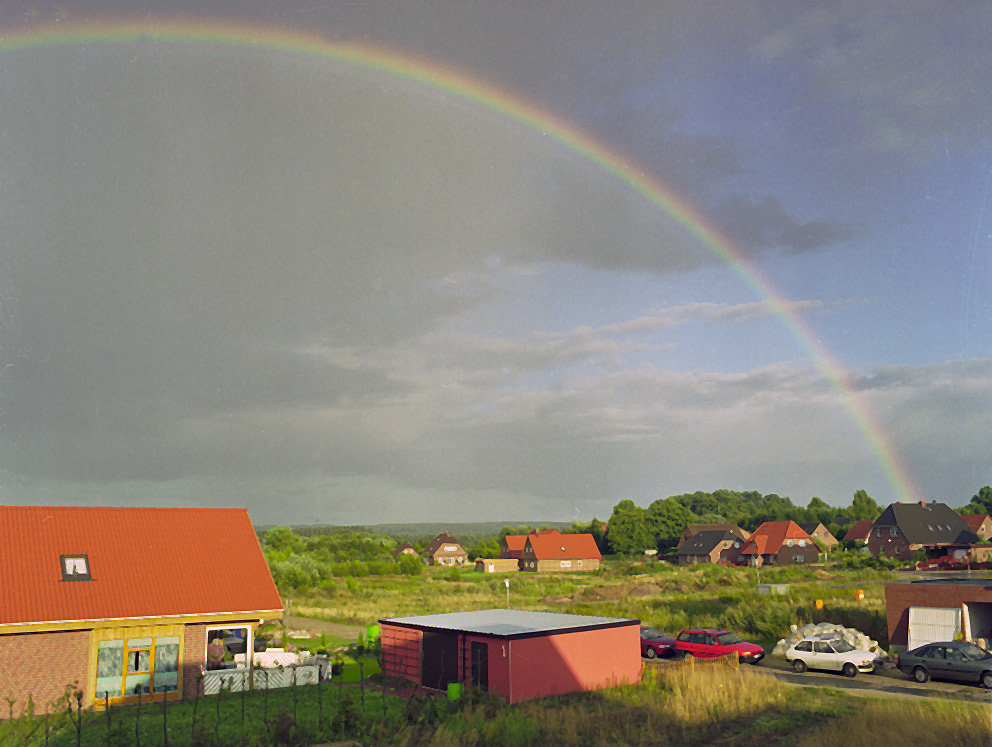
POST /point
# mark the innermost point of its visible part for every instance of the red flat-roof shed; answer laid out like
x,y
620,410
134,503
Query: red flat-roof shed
x,y
516,654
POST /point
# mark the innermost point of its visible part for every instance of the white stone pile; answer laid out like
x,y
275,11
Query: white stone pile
x,y
856,638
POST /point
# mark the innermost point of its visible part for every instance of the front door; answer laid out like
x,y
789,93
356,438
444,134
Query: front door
x,y
480,665
440,659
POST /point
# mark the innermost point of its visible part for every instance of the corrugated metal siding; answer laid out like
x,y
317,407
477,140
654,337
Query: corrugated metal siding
x,y
929,624
144,562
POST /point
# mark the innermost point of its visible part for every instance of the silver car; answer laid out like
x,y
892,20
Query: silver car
x,y
950,660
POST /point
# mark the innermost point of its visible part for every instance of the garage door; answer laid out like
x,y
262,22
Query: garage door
x,y
929,624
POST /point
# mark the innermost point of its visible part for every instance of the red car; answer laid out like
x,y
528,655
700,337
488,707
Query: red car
x,y
703,642
655,644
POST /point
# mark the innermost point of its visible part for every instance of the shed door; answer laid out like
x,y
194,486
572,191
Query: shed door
x,y
440,659
929,624
480,665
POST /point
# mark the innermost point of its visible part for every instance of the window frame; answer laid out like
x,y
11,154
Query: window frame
x,y
84,576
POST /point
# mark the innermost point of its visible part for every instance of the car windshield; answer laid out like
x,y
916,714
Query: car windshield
x,y
972,651
650,633
727,638
841,647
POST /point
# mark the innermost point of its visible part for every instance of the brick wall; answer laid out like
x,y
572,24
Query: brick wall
x,y
41,665
194,658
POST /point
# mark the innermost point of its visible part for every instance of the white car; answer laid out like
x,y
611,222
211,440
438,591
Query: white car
x,y
834,654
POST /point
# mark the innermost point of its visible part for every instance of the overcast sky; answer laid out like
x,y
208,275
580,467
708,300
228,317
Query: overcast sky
x,y
232,275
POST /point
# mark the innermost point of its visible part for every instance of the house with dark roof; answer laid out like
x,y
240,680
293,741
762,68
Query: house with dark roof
x,y
513,654
692,529
858,531
445,550
554,552
780,543
711,546
127,601
817,531
980,524
404,548
904,528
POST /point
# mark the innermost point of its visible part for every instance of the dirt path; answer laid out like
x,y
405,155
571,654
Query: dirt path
x,y
295,622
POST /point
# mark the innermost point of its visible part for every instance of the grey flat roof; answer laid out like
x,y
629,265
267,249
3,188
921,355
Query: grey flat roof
x,y
508,623
953,581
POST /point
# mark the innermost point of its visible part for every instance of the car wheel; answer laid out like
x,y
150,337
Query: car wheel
x,y
799,665
850,670
921,675
649,652
987,680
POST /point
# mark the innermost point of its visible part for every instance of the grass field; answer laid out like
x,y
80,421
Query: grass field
x,y
668,597
695,703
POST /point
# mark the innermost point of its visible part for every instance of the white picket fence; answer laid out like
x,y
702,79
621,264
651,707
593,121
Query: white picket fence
x,y
236,680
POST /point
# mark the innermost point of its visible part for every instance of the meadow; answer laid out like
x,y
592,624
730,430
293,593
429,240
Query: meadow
x,y
666,596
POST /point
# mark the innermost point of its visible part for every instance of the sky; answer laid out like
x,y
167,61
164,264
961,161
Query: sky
x,y
366,262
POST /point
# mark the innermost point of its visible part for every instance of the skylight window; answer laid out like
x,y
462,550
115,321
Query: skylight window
x,y
75,568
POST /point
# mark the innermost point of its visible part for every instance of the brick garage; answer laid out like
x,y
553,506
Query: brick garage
x,y
515,654
81,605
937,607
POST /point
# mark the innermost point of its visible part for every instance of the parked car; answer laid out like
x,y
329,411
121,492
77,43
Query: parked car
x,y
655,644
836,655
706,642
951,660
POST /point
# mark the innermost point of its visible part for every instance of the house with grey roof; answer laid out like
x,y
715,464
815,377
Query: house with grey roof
x,y
710,546
904,528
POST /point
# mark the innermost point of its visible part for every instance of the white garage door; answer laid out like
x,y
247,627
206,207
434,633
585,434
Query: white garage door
x,y
929,624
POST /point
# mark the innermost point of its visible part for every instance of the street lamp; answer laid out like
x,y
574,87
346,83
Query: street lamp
x,y
507,582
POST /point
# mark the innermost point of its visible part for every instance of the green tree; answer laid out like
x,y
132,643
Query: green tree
x,y
983,501
410,565
629,533
863,507
666,520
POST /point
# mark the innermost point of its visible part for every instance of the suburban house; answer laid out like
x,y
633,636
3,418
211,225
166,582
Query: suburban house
x,y
692,529
555,552
858,531
445,550
514,654
780,543
920,612
404,548
817,531
512,545
711,546
904,528
127,601
980,524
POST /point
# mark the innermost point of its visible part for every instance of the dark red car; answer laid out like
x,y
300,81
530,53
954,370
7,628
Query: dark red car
x,y
703,642
655,644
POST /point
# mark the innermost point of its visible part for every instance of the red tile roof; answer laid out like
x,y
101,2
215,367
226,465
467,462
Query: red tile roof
x,y
563,546
144,563
975,521
515,545
859,530
770,536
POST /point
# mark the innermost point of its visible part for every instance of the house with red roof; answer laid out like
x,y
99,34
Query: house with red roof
x,y
551,552
981,524
127,602
859,531
779,543
512,545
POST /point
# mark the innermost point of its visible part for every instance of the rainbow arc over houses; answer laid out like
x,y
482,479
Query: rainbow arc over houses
x,y
505,104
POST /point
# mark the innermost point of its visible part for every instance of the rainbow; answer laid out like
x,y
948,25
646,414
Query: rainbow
x,y
515,108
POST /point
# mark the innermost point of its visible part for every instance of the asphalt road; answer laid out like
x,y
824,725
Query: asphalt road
x,y
882,683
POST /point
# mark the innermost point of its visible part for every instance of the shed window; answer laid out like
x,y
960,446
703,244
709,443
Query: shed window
x,y
75,567
892,531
